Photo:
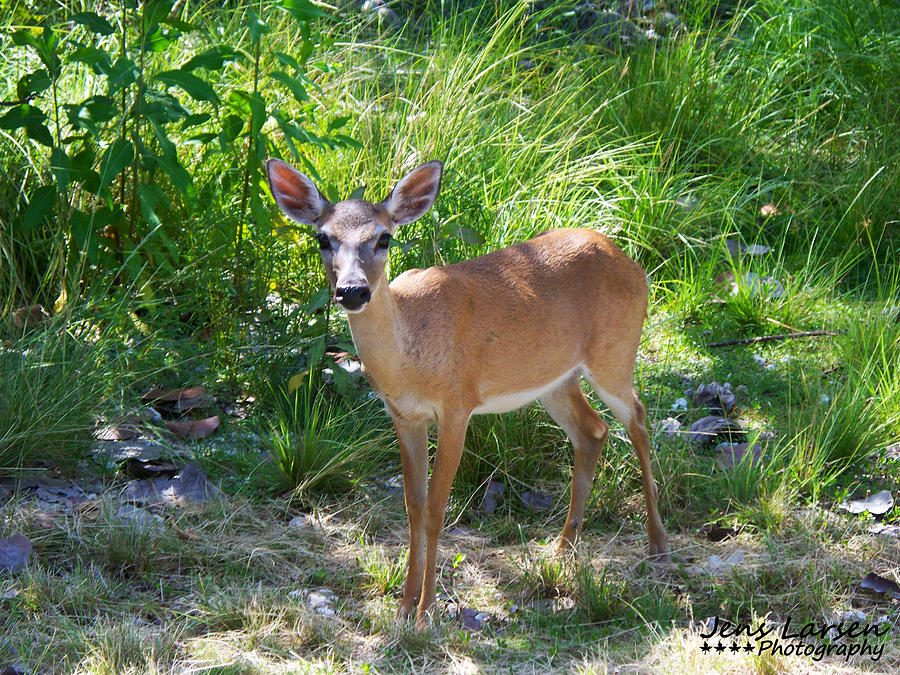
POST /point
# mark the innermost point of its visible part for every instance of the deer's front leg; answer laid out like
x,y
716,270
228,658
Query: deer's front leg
x,y
451,437
413,438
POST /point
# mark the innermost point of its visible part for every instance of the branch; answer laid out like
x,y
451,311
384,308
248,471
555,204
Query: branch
x,y
11,104
773,338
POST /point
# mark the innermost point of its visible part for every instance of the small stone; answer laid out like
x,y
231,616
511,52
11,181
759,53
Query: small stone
x,y
537,501
322,601
142,518
717,397
669,426
471,619
303,522
680,405
14,553
730,455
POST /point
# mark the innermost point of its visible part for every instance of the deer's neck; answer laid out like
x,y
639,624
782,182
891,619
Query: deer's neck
x,y
375,332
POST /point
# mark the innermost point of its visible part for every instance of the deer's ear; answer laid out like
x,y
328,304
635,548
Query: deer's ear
x,y
414,194
294,193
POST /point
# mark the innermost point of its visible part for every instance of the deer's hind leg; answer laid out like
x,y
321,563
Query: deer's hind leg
x,y
587,431
626,405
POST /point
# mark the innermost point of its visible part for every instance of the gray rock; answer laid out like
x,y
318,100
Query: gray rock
x,y
537,501
14,553
190,485
877,504
492,494
119,451
717,397
730,455
707,429
669,426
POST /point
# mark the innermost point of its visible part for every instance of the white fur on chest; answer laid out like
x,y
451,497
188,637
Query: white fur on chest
x,y
515,400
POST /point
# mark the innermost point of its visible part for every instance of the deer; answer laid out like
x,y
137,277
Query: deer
x,y
486,335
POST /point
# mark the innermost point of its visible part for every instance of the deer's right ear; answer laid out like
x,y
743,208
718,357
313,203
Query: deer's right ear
x,y
294,193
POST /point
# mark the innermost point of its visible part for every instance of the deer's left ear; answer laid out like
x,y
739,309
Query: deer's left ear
x,y
414,195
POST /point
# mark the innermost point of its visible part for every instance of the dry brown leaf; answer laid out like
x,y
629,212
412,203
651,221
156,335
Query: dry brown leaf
x,y
171,395
187,534
194,428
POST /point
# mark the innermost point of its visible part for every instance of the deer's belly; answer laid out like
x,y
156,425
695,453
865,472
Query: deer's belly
x,y
516,399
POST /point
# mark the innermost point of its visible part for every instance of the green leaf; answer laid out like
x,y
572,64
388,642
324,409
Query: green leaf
x,y
33,83
249,104
212,59
123,73
257,26
162,107
331,193
338,122
289,61
94,23
150,195
344,141
40,133
61,167
45,46
97,59
358,193
302,10
169,163
82,227
470,236
232,126
178,24
297,89
91,112
23,115
114,160
193,86
41,205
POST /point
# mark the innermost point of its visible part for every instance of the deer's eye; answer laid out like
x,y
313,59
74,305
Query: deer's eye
x,y
384,241
324,243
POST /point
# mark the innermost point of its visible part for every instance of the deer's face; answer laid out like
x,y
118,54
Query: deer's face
x,y
354,235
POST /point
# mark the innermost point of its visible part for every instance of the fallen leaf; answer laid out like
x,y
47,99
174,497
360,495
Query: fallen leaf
x,y
769,210
29,316
193,403
173,395
195,429
187,534
730,455
14,552
880,585
877,504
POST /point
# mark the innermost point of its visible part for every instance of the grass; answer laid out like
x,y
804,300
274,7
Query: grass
x,y
773,123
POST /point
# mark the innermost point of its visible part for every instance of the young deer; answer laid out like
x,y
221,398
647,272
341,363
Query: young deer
x,y
483,336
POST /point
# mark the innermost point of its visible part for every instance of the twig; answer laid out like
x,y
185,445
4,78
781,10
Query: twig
x,y
11,104
773,338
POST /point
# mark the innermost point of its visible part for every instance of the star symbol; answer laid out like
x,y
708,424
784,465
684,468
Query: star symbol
x,y
705,647
749,647
720,647
734,647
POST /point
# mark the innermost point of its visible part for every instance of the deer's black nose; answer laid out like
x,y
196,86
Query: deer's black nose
x,y
353,297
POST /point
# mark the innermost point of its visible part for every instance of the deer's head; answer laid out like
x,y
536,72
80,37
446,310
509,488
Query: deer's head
x,y
354,235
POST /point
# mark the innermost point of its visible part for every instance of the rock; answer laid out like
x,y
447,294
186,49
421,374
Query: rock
x,y
611,27
189,485
717,397
739,249
29,316
666,23
717,565
492,494
304,522
537,501
754,285
120,451
321,601
14,553
892,451
730,455
763,363
877,504
707,429
142,518
688,202
471,619
680,405
884,530
669,426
